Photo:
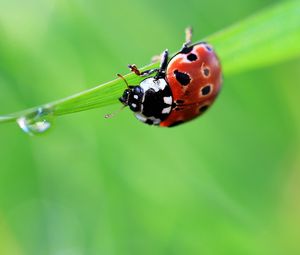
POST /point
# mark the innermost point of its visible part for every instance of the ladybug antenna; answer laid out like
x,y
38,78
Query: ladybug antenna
x,y
110,115
122,77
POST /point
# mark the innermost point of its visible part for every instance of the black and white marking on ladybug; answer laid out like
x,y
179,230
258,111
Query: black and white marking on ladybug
x,y
151,100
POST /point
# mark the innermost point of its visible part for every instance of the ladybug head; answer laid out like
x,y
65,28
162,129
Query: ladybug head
x,y
132,97
124,98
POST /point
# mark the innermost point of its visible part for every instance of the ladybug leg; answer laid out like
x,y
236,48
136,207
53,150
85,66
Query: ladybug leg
x,y
164,61
157,58
133,68
188,35
161,73
188,39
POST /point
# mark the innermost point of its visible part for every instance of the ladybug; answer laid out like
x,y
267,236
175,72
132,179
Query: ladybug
x,y
182,88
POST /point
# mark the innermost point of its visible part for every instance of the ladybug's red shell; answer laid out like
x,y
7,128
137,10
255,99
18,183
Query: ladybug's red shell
x,y
194,76
181,90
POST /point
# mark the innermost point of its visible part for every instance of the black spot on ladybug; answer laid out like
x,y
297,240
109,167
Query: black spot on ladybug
x,y
183,78
206,72
176,123
206,90
179,101
192,57
203,108
186,49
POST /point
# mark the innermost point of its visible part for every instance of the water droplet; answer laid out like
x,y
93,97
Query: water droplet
x,y
108,116
37,122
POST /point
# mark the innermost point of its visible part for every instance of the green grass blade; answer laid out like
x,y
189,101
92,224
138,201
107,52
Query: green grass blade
x,y
264,39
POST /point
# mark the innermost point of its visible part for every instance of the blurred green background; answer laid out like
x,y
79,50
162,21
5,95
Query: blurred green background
x,y
226,183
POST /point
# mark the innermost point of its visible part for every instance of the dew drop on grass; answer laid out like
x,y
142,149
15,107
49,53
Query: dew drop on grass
x,y
37,122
